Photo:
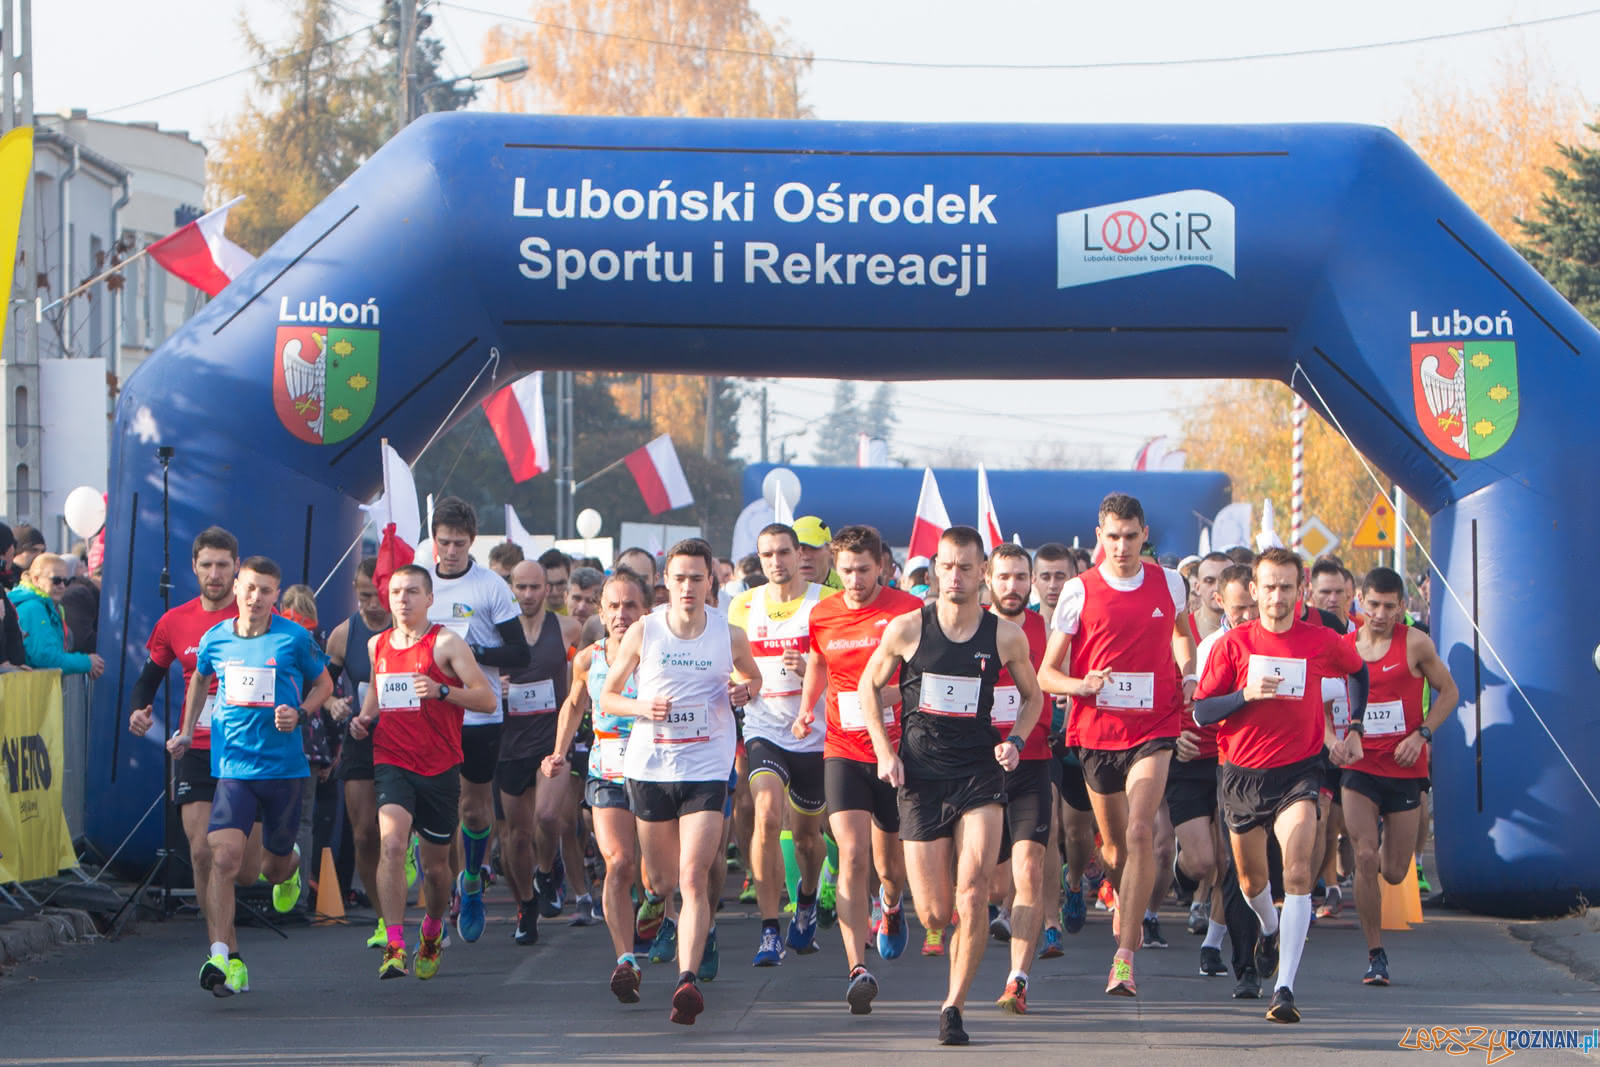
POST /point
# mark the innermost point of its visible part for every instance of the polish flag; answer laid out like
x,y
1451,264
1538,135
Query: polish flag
x,y
932,519
660,476
988,521
200,254
516,414
395,513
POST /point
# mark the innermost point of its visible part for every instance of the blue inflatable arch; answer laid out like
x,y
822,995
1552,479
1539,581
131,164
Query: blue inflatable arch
x,y
1329,257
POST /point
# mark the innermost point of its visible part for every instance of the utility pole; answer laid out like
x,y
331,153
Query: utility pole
x,y
763,424
569,523
711,417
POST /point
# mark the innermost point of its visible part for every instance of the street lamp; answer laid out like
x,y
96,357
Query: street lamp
x,y
506,70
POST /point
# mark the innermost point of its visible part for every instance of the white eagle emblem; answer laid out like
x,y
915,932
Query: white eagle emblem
x,y
1447,397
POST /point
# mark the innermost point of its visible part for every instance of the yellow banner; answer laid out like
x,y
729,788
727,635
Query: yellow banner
x,y
34,839
16,162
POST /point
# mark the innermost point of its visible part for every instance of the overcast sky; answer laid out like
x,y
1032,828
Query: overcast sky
x,y
123,60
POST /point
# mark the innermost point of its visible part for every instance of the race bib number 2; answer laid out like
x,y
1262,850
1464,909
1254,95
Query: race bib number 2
x,y
944,694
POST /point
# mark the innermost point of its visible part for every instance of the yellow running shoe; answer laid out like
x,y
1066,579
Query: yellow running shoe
x,y
285,895
426,961
238,976
380,936
394,962
933,943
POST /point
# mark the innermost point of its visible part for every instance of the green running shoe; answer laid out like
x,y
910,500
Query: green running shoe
x,y
214,976
380,936
1422,881
827,903
238,977
649,917
285,895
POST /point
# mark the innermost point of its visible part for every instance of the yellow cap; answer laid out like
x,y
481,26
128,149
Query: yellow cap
x,y
812,532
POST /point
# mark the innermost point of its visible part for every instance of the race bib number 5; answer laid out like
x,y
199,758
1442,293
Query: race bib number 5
x,y
684,724
1291,673
250,687
396,692
944,694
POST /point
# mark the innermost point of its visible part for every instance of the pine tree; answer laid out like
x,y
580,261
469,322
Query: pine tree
x,y
880,418
836,436
1564,243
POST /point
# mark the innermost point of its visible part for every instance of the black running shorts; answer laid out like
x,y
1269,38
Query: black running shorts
x,y
1106,770
1192,790
1389,794
432,800
480,752
800,772
931,807
854,785
1253,797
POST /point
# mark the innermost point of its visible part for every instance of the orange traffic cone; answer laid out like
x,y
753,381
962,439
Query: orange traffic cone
x,y
1402,904
330,898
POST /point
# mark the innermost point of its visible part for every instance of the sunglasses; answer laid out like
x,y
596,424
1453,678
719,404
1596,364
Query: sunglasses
x,y
58,581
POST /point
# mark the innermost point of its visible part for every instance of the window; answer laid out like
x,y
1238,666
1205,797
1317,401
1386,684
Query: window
x,y
19,416
156,331
131,305
24,491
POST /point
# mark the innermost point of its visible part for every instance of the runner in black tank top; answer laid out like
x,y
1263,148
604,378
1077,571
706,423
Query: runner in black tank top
x,y
355,756
942,737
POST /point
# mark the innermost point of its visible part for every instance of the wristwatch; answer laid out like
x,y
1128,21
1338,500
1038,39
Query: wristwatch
x,y
1017,741
1425,733
444,691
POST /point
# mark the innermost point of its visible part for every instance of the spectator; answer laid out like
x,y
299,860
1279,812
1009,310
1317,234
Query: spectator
x,y
37,599
30,542
80,608
10,573
12,654
504,557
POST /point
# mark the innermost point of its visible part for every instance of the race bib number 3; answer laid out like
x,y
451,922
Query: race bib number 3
x,y
1007,702
1291,673
851,717
944,694
397,692
1383,719
250,687
531,698
1129,690
684,724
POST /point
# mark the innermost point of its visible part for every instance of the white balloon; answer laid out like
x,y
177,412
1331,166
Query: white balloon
x,y
85,511
588,523
791,487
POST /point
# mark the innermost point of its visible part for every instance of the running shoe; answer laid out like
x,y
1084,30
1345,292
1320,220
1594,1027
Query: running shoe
x,y
544,891
1094,874
558,875
1211,963
380,936
687,1003
1120,984
827,901
802,936
747,895
933,943
664,949
1199,918
999,923
411,861
1377,968
394,962
586,915
469,923
1422,880
1152,934
951,1032
527,931
860,992
285,895
1267,954
1282,1009
893,934
647,923
770,952
599,906
1074,913
238,975
426,961
710,961
1014,1000
214,976
1249,985
1332,902
486,871
625,981
1051,948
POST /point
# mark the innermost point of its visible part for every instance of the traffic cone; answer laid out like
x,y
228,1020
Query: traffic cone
x,y
1413,894
1397,912
330,898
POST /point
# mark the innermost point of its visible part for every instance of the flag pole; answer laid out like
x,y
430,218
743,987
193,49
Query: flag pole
x,y
39,308
608,468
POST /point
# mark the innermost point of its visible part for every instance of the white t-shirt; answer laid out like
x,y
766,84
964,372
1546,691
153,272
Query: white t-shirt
x,y
1069,609
473,605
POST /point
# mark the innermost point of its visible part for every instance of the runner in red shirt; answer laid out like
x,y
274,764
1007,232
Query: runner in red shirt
x,y
862,810
176,639
1385,784
1263,683
1029,789
424,677
1121,649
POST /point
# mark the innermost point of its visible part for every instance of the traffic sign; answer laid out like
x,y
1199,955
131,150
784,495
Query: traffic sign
x,y
1316,539
1377,526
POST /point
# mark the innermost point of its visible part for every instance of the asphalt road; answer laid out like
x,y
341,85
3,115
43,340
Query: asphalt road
x,y
316,999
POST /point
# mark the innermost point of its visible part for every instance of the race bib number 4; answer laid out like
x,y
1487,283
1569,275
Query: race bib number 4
x,y
1128,690
531,698
776,679
684,724
1007,702
1291,673
398,692
944,694
1383,719
250,687
851,717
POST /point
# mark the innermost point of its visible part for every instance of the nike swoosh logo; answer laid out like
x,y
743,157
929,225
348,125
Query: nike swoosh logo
x,y
1390,666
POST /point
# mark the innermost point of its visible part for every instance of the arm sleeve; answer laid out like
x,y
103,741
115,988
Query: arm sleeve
x,y
149,680
511,656
1210,710
1360,685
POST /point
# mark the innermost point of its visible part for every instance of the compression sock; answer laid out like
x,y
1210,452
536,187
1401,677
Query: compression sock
x,y
432,927
1296,921
791,865
1214,935
474,844
1261,904
396,933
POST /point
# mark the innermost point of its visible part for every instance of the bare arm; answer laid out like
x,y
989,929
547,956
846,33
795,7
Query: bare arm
x,y
1053,677
367,717
572,710
1183,653
899,642
451,655
813,685
624,661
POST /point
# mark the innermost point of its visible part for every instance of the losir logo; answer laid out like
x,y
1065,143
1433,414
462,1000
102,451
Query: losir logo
x,y
1188,228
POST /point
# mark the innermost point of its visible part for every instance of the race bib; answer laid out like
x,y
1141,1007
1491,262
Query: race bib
x,y
684,724
362,688
1291,673
205,711
531,698
1007,702
605,761
851,717
1341,717
1383,719
944,694
1128,689
250,687
398,692
776,679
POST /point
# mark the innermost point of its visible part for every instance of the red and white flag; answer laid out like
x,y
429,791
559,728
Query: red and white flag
x,y
660,476
395,513
200,254
988,521
931,521
516,414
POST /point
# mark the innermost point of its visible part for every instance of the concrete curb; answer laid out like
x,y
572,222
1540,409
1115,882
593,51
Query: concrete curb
x,y
1573,943
35,935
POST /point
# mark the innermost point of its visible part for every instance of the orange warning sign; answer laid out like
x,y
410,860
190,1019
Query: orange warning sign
x,y
1377,526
